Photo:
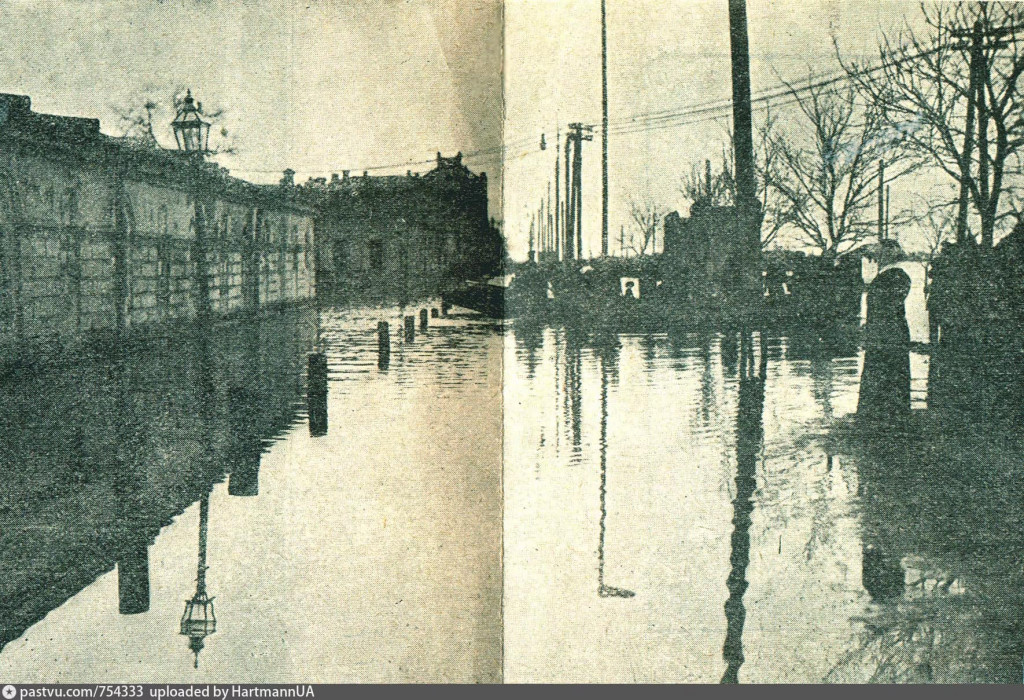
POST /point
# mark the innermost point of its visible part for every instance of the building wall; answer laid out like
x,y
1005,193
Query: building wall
x,y
411,235
88,246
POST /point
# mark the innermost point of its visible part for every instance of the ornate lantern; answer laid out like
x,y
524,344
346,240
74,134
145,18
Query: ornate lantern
x,y
198,621
191,131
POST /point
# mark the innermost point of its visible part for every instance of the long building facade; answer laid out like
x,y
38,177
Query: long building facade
x,y
403,236
100,235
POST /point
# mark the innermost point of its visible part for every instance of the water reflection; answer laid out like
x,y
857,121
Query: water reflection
x,y
104,453
748,445
837,552
110,464
607,358
199,621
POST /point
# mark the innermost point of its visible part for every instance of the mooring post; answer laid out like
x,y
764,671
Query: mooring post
x,y
410,328
434,313
424,322
317,374
383,345
316,394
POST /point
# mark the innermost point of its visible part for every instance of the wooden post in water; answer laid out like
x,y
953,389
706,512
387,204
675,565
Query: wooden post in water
x,y
383,345
317,373
316,394
424,321
410,329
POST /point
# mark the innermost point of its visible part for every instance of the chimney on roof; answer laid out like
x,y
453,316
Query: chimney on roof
x,y
366,173
458,157
344,174
288,180
439,157
334,179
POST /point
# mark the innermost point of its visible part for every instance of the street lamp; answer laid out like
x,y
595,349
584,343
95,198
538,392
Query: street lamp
x,y
191,132
198,621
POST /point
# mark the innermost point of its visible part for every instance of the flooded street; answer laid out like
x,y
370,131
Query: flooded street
x,y
651,534
369,554
672,507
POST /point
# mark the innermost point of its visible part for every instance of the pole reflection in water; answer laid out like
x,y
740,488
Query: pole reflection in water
x,y
245,446
573,397
132,528
606,359
749,431
198,621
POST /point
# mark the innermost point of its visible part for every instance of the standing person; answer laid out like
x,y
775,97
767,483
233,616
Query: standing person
x,y
885,381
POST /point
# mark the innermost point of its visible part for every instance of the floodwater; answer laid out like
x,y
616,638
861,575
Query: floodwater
x,y
704,508
371,553
527,503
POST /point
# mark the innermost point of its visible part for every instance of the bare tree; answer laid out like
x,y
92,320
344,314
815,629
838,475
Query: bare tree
x,y
646,217
828,168
967,123
719,188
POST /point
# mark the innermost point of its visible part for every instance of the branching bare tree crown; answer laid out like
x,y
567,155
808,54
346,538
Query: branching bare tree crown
x,y
953,91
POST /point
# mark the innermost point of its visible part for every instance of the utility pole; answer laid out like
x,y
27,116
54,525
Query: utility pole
x,y
745,260
887,193
746,188
558,205
570,219
976,112
532,243
578,133
604,132
881,202
548,221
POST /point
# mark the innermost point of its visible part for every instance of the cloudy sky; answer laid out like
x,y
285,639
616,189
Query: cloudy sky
x,y
664,55
362,84
318,86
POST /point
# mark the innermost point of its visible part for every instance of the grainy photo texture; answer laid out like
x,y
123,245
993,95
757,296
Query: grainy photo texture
x,y
511,341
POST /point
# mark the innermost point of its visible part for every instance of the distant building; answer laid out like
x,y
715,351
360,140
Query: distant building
x,y
403,236
106,235
710,261
708,258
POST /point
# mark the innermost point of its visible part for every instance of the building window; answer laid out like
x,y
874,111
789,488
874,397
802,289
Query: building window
x,y
163,272
375,252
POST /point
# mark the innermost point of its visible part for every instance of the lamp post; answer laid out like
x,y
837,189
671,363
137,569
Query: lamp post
x,y
192,134
191,131
198,621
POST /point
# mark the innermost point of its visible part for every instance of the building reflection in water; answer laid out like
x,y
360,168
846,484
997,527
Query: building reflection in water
x,y
198,621
749,433
106,452
607,358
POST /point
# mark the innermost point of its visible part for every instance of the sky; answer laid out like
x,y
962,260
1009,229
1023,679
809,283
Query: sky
x,y
318,86
662,55
334,85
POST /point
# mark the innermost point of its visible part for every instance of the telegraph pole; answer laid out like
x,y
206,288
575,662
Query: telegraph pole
x,y
558,204
604,132
570,218
746,255
746,188
976,112
578,136
532,243
881,201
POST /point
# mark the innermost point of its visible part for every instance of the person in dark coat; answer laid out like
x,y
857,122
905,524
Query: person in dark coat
x,y
885,381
